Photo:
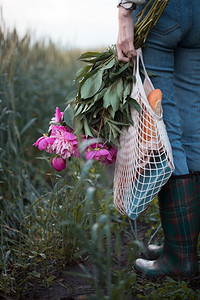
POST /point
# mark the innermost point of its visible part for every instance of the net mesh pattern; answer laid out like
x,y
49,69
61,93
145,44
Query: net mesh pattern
x,y
144,161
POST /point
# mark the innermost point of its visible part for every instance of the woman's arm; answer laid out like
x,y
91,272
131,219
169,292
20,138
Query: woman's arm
x,y
125,40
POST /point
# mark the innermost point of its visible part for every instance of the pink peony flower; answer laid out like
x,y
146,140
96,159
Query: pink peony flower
x,y
65,144
57,116
61,141
113,152
44,143
58,163
101,153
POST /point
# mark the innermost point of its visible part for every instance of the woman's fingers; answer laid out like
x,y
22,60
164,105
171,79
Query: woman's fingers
x,y
122,56
125,52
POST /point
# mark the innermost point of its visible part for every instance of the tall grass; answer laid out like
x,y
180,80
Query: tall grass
x,y
34,79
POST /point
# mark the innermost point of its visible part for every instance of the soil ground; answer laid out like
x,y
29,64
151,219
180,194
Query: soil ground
x,y
71,287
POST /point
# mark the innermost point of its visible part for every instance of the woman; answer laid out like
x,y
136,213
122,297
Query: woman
x,y
173,53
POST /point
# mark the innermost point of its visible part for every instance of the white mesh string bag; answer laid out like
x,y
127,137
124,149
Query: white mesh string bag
x,y
144,159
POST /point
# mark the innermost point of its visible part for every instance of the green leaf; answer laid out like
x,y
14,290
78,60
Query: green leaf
x,y
109,65
114,94
78,126
128,113
79,109
126,92
95,57
97,111
102,58
71,96
114,133
121,69
85,108
117,129
87,128
118,123
89,55
150,74
50,278
82,72
83,80
29,124
92,85
91,108
99,95
111,111
134,104
69,116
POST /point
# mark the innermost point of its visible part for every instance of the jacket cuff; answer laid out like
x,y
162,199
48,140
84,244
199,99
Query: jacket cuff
x,y
137,2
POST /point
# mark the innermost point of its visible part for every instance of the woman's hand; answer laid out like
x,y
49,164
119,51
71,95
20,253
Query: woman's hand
x,y
125,40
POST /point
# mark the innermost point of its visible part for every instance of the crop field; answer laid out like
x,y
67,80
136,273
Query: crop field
x,y
61,237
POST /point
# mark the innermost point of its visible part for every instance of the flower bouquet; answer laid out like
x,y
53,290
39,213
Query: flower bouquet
x,y
101,105
61,141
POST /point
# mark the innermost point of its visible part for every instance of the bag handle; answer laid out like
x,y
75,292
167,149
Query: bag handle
x,y
136,72
140,58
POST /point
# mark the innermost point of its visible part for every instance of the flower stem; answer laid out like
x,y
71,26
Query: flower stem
x,y
100,124
144,25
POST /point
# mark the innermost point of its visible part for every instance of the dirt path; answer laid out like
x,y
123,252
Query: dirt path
x,y
72,287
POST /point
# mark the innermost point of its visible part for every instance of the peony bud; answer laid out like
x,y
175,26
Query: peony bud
x,y
58,163
58,115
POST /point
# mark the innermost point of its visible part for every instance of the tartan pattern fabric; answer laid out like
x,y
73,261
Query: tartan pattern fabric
x,y
197,177
179,217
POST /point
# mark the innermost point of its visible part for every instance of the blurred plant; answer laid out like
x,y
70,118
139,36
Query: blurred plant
x,y
110,278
